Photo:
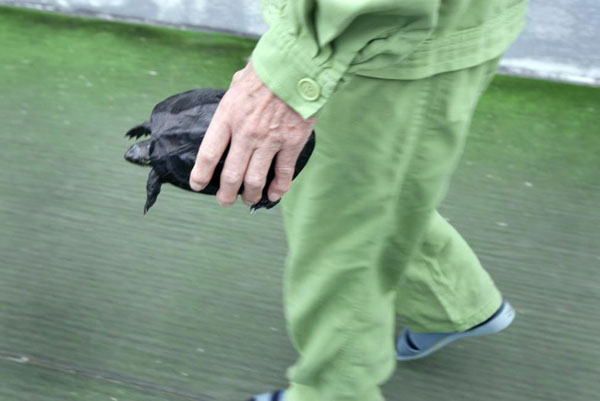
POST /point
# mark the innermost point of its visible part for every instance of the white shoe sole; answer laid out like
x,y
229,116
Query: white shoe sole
x,y
496,325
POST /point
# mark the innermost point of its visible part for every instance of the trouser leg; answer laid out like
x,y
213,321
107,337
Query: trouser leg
x,y
385,150
444,288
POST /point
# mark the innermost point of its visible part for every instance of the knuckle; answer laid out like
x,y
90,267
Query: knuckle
x,y
284,172
277,140
253,134
282,186
230,177
292,141
209,156
298,141
253,181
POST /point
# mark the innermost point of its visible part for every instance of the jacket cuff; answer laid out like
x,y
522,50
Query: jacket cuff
x,y
287,68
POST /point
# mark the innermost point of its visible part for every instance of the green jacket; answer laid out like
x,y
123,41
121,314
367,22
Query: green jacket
x,y
312,44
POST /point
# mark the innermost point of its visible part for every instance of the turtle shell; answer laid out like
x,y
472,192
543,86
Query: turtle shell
x,y
178,125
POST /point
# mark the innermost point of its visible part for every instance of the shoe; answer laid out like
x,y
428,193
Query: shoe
x,y
272,396
406,349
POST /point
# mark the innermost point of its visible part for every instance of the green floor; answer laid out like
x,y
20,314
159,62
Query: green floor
x,y
98,302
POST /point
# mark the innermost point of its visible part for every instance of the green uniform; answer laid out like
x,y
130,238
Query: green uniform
x,y
394,84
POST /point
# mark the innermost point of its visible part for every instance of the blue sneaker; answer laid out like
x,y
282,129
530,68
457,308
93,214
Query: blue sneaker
x,y
415,345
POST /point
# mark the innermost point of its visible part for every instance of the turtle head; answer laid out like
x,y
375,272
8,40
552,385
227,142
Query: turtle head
x,y
139,153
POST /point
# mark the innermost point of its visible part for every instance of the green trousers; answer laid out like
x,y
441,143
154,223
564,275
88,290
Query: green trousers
x,y
365,240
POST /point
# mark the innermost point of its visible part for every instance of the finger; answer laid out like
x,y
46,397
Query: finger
x,y
234,170
211,149
284,172
256,175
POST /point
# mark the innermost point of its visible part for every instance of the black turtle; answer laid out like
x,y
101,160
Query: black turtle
x,y
176,128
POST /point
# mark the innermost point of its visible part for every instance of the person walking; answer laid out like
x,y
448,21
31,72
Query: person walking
x,y
389,87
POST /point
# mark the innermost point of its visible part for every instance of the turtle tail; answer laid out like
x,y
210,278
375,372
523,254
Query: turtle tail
x,y
152,189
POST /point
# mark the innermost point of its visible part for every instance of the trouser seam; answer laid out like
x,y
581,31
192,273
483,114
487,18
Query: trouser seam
x,y
413,132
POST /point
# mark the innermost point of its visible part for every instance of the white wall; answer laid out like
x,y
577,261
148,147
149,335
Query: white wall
x,y
561,41
239,16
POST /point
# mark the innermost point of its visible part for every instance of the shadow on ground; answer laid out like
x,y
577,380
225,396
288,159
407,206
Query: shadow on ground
x,y
98,302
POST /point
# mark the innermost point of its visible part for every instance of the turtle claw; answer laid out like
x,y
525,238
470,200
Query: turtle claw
x,y
152,190
148,205
139,131
263,203
150,200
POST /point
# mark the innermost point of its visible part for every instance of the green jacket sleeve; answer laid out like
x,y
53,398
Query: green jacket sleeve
x,y
311,44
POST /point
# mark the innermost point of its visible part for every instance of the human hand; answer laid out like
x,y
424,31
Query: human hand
x,y
259,127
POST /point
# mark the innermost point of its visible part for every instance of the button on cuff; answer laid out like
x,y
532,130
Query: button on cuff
x,y
300,81
309,89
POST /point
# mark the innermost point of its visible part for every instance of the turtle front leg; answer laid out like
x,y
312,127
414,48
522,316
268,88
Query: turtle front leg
x,y
152,189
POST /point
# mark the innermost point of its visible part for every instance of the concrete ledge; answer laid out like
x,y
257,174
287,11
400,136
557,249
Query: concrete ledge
x,y
530,68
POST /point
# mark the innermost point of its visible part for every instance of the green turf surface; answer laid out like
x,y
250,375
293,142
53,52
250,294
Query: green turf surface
x,y
99,302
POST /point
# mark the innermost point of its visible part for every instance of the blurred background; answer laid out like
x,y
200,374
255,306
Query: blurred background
x,y
98,302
